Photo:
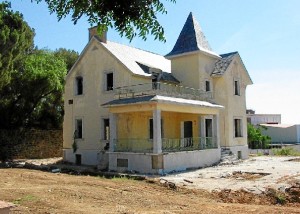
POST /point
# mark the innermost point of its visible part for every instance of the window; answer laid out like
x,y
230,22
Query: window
x,y
237,128
106,130
236,88
78,129
151,129
109,82
207,85
79,85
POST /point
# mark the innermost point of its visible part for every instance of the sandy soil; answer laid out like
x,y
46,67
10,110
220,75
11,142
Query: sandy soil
x,y
35,191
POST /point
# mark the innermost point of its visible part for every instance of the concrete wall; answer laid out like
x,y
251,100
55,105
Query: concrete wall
x,y
180,161
190,159
283,134
31,143
240,150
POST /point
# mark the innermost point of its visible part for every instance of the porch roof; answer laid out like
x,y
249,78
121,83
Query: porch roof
x,y
160,99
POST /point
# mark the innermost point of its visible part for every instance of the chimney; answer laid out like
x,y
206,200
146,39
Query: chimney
x,y
93,32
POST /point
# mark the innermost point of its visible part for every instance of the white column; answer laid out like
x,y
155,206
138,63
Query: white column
x,y
112,130
157,143
216,121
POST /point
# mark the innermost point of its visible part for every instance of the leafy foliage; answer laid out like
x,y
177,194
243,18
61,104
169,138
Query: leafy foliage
x,y
34,97
286,152
69,56
16,39
130,18
256,140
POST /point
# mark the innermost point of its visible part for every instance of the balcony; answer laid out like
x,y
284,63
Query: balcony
x,y
168,145
164,89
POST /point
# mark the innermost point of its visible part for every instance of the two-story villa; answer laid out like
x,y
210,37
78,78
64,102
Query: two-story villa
x,y
132,110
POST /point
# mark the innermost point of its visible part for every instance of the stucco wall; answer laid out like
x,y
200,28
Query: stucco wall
x,y
88,106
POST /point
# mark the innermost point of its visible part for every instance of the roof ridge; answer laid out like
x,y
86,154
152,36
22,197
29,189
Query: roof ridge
x,y
134,48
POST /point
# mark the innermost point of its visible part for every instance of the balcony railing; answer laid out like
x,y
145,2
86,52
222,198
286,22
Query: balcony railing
x,y
189,144
168,145
159,88
133,145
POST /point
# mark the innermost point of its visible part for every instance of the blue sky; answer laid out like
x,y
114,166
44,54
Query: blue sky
x,y
265,32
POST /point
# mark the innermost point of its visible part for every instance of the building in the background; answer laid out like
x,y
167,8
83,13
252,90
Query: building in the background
x,y
257,119
282,134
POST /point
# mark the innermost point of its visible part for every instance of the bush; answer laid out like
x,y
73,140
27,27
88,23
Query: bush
x,y
286,151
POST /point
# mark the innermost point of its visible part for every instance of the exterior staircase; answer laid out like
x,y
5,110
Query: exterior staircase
x,y
228,158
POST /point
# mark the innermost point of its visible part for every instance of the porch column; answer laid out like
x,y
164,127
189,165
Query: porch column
x,y
157,143
112,130
216,119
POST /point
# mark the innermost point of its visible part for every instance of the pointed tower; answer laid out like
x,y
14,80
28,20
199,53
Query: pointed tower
x,y
192,58
191,39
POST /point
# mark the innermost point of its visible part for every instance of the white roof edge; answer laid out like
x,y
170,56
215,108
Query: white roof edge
x,y
206,52
185,101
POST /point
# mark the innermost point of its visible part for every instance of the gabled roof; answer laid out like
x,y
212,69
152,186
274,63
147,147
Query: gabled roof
x,y
222,64
130,57
191,39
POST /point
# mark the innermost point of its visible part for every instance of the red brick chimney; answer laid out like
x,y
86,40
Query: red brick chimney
x,y
93,32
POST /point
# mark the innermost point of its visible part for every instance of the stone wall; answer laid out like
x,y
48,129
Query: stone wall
x,y
30,143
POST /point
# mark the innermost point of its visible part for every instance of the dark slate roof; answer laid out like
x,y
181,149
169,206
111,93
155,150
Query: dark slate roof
x,y
222,64
191,38
129,100
164,76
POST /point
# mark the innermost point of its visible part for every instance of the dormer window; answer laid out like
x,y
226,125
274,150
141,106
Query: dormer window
x,y
79,85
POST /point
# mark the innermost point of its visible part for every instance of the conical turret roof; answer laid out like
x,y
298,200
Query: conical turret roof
x,y
191,39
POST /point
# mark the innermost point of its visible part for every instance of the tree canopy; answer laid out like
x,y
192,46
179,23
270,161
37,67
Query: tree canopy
x,y
130,18
256,140
16,39
34,96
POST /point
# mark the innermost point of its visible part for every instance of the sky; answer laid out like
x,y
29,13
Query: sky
x,y
266,33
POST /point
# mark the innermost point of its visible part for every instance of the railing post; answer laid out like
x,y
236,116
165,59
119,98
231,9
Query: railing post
x,y
112,131
157,142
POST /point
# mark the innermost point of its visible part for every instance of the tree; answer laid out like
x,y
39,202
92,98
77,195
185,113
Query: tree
x,y
34,97
130,18
256,140
69,56
16,39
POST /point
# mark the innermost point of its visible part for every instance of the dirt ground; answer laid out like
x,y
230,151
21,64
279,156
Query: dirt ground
x,y
35,191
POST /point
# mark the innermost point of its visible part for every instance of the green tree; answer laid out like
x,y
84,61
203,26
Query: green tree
x,y
16,39
130,18
34,97
69,56
256,140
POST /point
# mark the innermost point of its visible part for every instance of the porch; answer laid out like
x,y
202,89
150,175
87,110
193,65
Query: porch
x,y
155,134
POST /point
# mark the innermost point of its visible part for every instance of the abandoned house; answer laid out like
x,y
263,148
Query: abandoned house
x,y
127,109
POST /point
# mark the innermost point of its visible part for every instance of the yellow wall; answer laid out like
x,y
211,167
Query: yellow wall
x,y
135,125
88,106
